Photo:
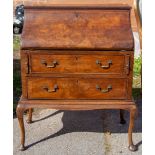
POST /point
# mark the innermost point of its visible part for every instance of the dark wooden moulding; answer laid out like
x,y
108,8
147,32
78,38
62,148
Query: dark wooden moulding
x,y
77,57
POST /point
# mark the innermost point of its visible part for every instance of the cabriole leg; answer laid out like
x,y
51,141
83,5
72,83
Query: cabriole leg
x,y
29,115
20,110
133,112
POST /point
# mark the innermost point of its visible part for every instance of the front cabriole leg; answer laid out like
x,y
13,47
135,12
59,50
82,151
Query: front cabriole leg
x,y
133,112
20,111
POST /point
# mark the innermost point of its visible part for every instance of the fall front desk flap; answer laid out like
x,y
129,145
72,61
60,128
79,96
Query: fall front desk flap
x,y
76,27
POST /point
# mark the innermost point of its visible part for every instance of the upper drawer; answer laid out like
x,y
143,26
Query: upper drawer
x,y
101,64
104,28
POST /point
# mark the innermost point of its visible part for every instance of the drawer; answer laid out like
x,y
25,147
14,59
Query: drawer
x,y
74,88
102,64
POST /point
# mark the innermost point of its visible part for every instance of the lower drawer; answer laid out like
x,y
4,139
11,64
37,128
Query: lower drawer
x,y
77,88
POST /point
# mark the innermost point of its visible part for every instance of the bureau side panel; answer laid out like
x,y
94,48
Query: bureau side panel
x,y
130,76
24,71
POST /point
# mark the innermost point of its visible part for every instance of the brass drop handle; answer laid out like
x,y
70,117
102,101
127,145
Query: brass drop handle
x,y
53,65
104,90
49,90
98,62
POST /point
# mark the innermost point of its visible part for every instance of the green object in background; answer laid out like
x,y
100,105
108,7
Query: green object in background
x,y
137,66
16,43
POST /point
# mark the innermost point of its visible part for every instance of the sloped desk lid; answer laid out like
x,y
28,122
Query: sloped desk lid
x,y
93,27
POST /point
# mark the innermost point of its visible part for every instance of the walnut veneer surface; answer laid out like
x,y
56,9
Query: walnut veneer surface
x,y
77,57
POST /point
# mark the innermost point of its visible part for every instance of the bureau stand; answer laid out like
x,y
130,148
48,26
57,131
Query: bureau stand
x,y
77,57
87,105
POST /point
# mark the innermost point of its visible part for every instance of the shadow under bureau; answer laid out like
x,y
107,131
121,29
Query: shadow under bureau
x,y
77,57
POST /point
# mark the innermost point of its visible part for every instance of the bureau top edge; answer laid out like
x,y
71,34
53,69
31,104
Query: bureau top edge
x,y
77,50
85,6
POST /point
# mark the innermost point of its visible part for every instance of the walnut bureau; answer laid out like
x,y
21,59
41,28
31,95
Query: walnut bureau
x,y
77,57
